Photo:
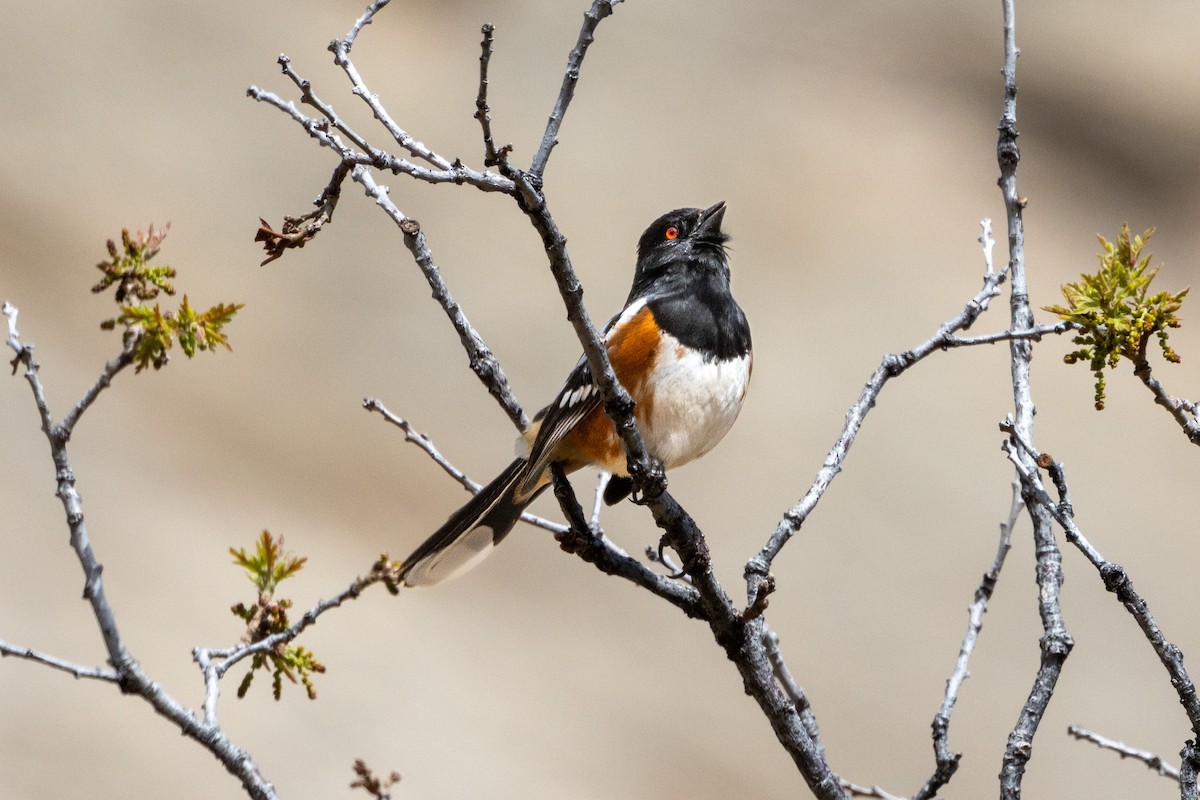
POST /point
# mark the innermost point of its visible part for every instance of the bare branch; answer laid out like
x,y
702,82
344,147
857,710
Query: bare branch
x,y
491,156
367,17
72,504
594,548
1154,762
1116,580
1183,411
878,792
308,97
320,130
791,687
341,56
482,361
946,759
77,670
24,356
598,502
987,242
1033,334
591,18
891,367
317,129
127,673
1056,643
67,427
422,441
382,570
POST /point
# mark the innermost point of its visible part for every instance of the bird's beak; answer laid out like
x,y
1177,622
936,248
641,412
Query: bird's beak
x,y
710,221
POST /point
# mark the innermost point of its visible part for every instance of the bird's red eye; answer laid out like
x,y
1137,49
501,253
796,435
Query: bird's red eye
x,y
672,232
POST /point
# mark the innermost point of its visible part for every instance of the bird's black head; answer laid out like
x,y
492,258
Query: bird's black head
x,y
679,242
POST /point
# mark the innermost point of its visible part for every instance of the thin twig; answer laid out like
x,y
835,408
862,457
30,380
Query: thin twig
x,y
481,359
230,656
67,427
422,441
1116,580
791,687
129,675
878,792
1034,334
891,366
987,242
72,503
491,156
1056,643
321,130
308,97
598,501
488,181
587,34
77,670
946,760
1151,760
341,56
24,357
367,17
1184,412
580,539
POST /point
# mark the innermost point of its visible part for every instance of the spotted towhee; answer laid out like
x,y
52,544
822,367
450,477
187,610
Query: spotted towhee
x,y
680,347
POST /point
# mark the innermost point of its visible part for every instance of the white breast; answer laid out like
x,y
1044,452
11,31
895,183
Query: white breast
x,y
696,403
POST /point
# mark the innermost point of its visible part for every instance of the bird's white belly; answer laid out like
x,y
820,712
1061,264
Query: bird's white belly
x,y
696,403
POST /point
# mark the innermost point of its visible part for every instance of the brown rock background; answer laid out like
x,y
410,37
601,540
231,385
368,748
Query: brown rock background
x,y
854,143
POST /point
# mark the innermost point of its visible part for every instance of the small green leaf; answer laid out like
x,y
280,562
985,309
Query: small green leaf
x,y
1114,311
153,330
266,567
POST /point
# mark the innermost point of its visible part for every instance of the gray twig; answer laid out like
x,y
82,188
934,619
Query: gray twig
x,y
367,17
1116,580
491,156
481,359
892,366
587,34
1184,412
77,670
422,441
947,760
1034,334
878,792
987,242
1151,760
598,501
126,671
580,539
1055,643
791,687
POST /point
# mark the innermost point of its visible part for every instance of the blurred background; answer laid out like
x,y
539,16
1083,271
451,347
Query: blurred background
x,y
855,145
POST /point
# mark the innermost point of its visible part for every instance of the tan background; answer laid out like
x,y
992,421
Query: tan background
x,y
854,143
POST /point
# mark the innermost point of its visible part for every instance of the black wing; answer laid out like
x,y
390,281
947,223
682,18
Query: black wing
x,y
578,397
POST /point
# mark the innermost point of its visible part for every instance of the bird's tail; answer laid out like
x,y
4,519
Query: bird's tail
x,y
469,535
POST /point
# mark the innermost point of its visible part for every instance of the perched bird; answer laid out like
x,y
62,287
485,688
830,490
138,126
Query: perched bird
x,y
680,347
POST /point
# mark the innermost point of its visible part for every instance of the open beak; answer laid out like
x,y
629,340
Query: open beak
x,y
710,222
